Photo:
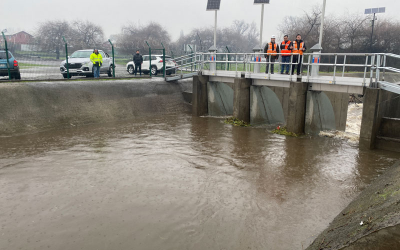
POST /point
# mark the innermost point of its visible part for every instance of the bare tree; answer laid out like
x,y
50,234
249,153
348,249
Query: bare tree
x,y
87,34
239,37
240,26
133,37
50,35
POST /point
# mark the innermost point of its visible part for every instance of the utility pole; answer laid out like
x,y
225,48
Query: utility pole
x,y
317,48
214,5
374,11
372,33
321,31
262,24
258,49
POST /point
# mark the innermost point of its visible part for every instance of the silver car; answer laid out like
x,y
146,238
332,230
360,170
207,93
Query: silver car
x,y
80,65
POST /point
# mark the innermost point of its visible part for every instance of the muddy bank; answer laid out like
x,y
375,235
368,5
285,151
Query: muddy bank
x,y
371,221
31,107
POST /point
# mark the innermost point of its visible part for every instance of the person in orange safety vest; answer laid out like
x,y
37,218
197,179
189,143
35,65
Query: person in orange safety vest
x,y
271,50
286,50
298,48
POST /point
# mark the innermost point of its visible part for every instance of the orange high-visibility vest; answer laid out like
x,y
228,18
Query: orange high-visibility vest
x,y
271,51
285,48
296,49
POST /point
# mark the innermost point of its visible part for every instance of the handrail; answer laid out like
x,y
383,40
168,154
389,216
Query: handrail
x,y
374,63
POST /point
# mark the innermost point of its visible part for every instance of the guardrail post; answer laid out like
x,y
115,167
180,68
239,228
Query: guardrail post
x,y
378,65
213,58
228,57
371,85
149,58
66,56
8,63
112,51
384,67
257,59
164,74
334,70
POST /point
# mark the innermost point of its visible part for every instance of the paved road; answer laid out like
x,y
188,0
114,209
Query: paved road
x,y
49,70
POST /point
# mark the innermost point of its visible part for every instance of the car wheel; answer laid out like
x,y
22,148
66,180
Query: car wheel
x,y
16,76
131,70
110,71
65,75
153,70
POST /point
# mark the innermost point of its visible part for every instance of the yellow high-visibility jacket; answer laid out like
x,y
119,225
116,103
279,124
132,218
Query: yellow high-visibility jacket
x,y
96,58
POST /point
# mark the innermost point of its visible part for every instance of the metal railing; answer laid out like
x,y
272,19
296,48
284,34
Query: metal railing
x,y
369,67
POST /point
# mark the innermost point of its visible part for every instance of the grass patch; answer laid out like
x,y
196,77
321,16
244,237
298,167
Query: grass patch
x,y
236,122
283,131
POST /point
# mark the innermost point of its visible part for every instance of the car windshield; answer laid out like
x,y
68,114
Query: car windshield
x,y
4,56
81,54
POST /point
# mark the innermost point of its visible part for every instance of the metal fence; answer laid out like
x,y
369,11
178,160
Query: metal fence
x,y
31,60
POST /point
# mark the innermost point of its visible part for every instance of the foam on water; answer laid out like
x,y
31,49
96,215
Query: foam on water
x,y
353,125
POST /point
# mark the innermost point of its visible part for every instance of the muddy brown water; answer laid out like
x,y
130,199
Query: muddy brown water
x,y
175,182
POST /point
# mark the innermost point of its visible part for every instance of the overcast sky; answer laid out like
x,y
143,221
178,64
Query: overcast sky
x,y
175,15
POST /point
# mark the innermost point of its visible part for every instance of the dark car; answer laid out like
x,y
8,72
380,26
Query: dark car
x,y
12,64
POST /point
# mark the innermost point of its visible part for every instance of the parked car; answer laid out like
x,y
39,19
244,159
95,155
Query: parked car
x,y
156,65
80,64
12,64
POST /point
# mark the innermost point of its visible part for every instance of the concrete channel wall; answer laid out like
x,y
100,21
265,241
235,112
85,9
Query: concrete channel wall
x,y
36,106
381,119
371,221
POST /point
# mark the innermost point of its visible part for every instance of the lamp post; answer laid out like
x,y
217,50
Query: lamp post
x,y
374,11
258,49
317,48
214,5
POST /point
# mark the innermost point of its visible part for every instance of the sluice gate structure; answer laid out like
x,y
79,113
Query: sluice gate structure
x,y
235,84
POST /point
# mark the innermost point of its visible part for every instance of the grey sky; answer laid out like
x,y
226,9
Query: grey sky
x,y
175,15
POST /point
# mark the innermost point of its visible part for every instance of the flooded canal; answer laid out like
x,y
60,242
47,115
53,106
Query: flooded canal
x,y
175,182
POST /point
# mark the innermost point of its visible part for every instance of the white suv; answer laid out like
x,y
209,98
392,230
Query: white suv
x,y
156,65
80,65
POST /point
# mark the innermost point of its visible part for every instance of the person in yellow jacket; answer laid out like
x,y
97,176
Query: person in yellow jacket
x,y
97,61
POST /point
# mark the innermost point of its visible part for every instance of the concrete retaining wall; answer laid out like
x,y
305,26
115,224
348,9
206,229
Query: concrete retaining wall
x,y
371,221
32,107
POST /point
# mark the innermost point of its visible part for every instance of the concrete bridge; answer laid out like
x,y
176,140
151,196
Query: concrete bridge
x,y
235,85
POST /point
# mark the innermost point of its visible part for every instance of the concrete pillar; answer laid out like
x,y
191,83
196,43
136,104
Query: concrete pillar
x,y
370,119
241,99
200,99
297,107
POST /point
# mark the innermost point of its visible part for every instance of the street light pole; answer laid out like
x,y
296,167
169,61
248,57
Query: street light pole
x,y
317,48
261,25
321,31
372,33
215,30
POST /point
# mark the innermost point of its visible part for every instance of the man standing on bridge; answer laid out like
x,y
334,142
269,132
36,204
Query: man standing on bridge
x,y
286,50
138,61
97,61
271,50
298,48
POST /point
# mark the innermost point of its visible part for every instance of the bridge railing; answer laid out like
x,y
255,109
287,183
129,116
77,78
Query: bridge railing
x,y
359,69
363,63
